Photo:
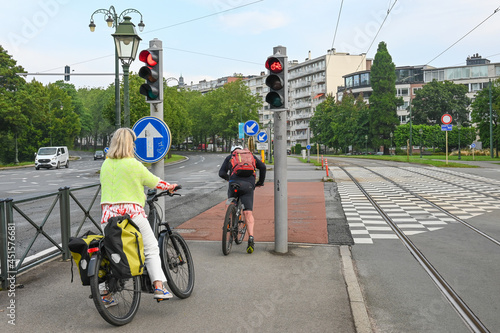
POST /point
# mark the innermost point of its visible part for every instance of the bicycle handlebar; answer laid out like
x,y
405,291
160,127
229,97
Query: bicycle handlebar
x,y
153,194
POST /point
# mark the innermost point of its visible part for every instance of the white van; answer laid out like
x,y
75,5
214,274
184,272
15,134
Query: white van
x,y
48,157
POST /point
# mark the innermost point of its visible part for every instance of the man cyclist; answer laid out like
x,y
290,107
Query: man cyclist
x,y
246,190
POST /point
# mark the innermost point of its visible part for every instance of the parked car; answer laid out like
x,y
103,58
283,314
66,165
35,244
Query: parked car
x,y
99,154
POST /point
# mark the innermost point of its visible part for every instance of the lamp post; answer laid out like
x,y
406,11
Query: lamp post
x,y
50,105
113,19
459,127
420,131
366,144
127,43
390,150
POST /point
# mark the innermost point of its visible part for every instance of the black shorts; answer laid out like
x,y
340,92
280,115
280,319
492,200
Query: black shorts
x,y
245,192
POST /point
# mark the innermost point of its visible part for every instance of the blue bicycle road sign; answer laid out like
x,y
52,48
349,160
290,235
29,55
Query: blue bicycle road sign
x,y
153,139
251,128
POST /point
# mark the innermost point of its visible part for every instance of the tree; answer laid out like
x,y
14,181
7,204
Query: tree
x,y
480,114
383,101
340,124
321,120
12,121
437,98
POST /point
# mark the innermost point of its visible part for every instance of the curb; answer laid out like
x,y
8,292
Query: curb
x,y
358,306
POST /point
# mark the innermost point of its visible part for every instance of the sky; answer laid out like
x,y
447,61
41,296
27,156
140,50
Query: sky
x,y
209,39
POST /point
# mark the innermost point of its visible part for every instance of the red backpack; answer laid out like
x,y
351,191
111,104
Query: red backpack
x,y
242,163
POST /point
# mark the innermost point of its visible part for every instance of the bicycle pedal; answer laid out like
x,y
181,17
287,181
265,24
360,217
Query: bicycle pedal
x,y
158,300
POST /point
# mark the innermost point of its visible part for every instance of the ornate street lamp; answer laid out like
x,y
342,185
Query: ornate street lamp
x,y
113,20
127,43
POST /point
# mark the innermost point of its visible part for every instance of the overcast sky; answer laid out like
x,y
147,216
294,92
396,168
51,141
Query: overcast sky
x,y
208,39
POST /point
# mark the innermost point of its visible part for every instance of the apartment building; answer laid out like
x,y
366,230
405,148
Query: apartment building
x,y
476,75
309,83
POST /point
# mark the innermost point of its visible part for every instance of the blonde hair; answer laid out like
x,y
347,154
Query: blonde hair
x,y
122,144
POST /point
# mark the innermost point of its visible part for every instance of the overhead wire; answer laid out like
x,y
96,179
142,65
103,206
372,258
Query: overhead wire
x,y
336,28
203,17
375,37
494,12
174,25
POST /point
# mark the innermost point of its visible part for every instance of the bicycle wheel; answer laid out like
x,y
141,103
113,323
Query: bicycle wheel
x,y
241,229
227,229
177,264
125,293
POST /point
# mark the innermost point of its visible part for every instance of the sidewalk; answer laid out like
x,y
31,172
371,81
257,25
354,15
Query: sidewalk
x,y
312,288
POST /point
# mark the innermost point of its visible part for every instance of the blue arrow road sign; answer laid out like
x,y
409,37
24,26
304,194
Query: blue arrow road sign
x,y
473,145
153,139
446,127
262,137
251,128
308,147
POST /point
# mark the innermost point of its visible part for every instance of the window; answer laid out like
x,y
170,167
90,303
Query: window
x,y
404,106
365,79
479,71
402,92
356,80
348,82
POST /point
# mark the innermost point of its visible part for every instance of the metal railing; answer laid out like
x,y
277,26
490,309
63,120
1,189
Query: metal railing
x,y
10,263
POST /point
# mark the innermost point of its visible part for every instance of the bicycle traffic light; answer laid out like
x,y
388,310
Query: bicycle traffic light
x,y
277,81
152,73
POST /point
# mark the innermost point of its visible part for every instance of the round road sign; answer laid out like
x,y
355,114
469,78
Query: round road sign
x,y
446,119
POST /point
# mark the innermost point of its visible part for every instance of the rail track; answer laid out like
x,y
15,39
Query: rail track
x,y
418,186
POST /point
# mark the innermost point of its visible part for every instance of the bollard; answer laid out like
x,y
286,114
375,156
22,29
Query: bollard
x,y
321,162
326,165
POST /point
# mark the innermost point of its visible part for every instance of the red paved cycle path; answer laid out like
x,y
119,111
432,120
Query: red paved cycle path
x,y
306,216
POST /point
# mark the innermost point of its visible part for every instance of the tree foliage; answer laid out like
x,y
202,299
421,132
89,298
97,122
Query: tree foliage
x,y
437,98
480,114
341,124
383,100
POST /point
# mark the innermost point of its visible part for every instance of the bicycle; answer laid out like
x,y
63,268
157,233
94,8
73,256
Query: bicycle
x,y
234,227
176,261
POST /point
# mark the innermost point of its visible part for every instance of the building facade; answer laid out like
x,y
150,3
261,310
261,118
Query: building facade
x,y
310,82
475,75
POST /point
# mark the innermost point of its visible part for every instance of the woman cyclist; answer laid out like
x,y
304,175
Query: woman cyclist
x,y
122,192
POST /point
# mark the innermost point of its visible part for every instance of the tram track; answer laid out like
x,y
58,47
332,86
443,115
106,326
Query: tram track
x,y
465,312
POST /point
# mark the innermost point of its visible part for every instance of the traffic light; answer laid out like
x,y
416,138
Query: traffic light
x,y
152,73
277,81
66,71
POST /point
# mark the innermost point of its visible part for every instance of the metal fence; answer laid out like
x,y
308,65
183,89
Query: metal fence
x,y
50,228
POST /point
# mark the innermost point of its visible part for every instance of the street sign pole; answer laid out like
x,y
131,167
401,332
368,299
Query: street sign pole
x,y
446,119
446,147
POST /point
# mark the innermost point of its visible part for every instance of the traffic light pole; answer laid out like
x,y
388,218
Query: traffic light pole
x,y
280,184
156,110
280,155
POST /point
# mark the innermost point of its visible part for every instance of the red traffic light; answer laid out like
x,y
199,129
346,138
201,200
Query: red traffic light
x,y
274,65
148,58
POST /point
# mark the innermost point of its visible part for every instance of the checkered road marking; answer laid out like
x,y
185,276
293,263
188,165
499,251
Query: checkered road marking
x,y
460,194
